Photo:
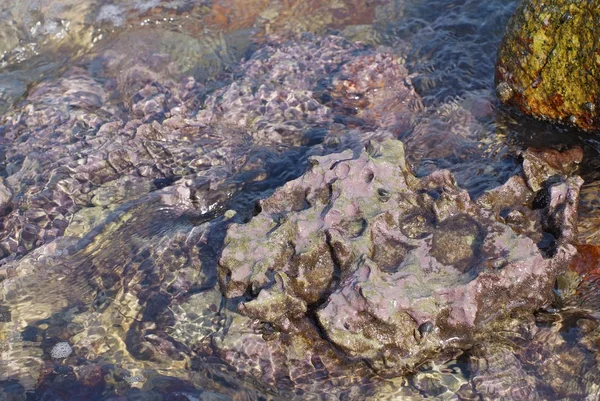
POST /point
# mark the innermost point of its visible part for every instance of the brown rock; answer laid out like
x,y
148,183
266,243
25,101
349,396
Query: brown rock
x,y
548,64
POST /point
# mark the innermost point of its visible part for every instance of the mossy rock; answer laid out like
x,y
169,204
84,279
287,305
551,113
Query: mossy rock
x,y
549,62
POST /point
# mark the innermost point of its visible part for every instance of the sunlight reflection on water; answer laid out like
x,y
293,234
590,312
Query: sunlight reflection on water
x,y
104,265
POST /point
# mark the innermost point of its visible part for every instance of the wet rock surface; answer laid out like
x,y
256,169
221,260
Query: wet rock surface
x,y
100,141
588,231
550,354
39,39
547,64
113,208
390,269
125,173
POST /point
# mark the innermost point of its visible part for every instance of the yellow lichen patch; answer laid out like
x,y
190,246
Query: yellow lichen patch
x,y
550,63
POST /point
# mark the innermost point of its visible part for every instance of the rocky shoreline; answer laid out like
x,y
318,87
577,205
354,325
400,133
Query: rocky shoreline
x,y
287,232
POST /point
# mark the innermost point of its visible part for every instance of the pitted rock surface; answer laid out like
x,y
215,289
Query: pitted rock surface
x,y
86,141
392,269
112,214
113,222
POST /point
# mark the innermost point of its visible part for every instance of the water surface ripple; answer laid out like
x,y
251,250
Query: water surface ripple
x,y
133,133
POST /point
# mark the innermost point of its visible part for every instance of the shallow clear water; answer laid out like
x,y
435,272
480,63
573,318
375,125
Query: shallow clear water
x,y
124,139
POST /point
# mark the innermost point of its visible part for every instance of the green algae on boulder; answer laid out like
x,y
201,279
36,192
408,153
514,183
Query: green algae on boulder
x,y
395,270
549,62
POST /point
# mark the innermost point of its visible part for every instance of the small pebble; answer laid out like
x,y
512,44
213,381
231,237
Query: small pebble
x,y
504,91
61,350
590,107
425,328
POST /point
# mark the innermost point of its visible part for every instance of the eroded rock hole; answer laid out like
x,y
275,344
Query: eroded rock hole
x,y
457,242
418,225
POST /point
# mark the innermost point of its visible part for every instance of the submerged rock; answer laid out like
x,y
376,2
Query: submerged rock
x,y
589,223
112,204
83,140
122,175
548,63
544,356
390,269
580,286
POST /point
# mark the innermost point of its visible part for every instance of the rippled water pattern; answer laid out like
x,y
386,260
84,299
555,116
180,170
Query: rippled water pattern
x,y
133,132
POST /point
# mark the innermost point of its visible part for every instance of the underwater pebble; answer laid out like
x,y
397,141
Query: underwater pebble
x,y
134,379
61,350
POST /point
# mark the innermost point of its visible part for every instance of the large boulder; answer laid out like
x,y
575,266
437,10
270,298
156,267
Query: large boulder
x,y
395,270
549,65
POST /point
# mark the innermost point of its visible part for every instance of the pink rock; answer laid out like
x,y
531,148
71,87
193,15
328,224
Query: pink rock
x,y
402,269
